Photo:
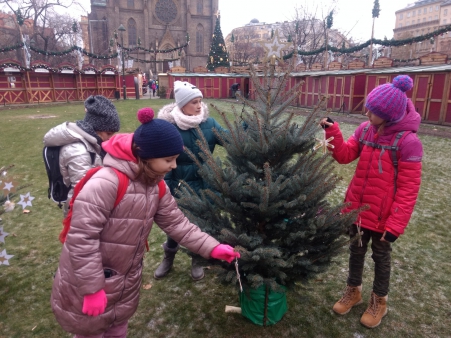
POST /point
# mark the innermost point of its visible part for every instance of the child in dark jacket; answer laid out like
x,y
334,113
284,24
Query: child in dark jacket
x,y
187,113
388,189
96,287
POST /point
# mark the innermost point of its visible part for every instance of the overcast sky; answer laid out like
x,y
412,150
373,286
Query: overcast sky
x,y
353,16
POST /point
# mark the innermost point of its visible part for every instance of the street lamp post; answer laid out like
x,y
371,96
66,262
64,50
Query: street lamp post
x,y
124,88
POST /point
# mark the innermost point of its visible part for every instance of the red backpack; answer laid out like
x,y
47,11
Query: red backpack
x,y
122,188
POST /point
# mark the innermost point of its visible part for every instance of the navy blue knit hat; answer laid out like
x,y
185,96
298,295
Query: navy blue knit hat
x,y
156,138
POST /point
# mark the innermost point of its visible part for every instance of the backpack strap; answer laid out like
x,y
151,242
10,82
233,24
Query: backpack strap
x,y
93,158
394,151
122,188
362,136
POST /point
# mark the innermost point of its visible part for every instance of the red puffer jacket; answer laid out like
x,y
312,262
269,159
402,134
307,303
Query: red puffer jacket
x,y
373,181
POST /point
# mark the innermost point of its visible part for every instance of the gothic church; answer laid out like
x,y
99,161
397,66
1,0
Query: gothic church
x,y
154,24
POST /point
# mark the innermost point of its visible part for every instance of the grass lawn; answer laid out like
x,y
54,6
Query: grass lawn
x,y
419,301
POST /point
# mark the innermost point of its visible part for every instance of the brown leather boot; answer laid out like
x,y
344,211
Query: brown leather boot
x,y
352,296
197,271
166,265
377,308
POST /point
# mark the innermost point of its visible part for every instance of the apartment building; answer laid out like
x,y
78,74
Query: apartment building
x,y
420,18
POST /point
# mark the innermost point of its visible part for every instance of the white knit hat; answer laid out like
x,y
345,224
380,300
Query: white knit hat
x,y
184,92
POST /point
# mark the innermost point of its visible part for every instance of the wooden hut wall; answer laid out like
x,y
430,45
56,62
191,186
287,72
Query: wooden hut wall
x,y
357,94
65,87
12,93
212,87
40,87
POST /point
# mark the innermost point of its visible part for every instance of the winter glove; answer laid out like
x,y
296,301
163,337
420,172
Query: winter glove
x,y
324,125
224,252
94,304
390,237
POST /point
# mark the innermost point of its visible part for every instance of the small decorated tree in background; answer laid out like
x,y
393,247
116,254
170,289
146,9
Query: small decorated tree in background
x,y
268,197
218,56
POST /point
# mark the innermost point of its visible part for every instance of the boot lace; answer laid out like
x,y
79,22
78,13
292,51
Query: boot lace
x,y
348,294
373,307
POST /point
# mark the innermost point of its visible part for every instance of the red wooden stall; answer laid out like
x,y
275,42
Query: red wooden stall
x,y
42,83
212,85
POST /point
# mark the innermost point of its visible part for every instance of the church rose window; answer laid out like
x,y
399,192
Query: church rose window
x,y
166,10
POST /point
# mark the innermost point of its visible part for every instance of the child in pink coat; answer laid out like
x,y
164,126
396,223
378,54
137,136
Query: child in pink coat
x,y
96,286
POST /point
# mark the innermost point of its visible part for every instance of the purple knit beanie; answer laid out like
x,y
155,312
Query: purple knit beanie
x,y
389,101
156,138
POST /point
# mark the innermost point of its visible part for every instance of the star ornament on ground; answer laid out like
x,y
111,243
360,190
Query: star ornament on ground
x,y
4,258
274,47
3,234
324,143
9,186
25,200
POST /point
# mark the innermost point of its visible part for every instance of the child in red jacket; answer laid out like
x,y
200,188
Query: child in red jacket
x,y
386,181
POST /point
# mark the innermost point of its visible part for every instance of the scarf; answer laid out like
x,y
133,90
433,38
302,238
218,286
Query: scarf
x,y
90,130
186,122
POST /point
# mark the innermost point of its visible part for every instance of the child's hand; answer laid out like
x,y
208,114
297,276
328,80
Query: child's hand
x,y
224,252
326,122
95,303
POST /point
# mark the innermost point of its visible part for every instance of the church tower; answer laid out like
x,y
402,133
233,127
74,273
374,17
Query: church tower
x,y
154,25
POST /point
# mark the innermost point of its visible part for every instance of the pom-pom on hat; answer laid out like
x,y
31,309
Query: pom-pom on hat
x,y
156,138
389,101
184,92
101,114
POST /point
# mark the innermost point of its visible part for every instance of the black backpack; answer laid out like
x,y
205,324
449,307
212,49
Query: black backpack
x,y
57,190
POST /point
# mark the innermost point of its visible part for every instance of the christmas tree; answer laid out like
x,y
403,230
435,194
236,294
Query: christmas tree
x,y
268,198
218,56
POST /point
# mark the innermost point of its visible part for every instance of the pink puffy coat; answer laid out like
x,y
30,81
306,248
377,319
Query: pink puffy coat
x,y
101,238
373,182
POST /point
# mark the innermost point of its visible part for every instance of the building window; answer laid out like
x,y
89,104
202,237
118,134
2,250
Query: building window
x,y
444,21
130,3
200,39
408,15
445,12
437,7
424,19
413,13
200,6
419,11
400,16
400,25
425,10
407,23
430,18
436,17
430,9
131,25
418,21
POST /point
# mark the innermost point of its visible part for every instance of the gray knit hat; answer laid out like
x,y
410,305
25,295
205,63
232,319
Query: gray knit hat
x,y
184,92
101,114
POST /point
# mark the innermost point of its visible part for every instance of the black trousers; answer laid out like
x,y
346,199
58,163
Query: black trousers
x,y
171,243
381,257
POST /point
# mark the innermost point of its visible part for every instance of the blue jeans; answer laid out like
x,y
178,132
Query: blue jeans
x,y
381,257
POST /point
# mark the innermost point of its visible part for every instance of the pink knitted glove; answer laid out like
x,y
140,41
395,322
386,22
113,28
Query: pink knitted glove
x,y
95,303
224,252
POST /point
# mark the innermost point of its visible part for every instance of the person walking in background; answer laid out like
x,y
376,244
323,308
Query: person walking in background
x,y
96,287
186,113
81,141
386,180
235,88
154,88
